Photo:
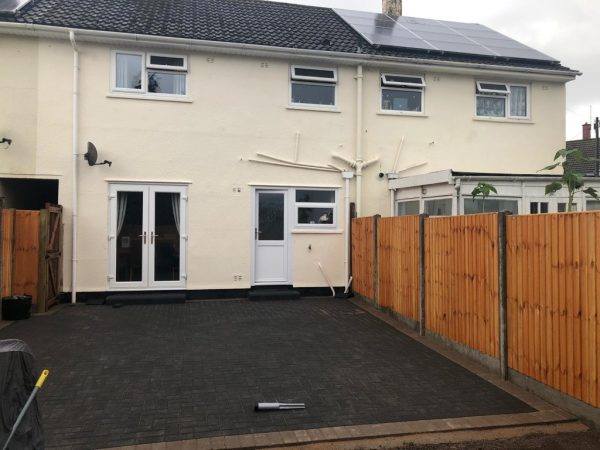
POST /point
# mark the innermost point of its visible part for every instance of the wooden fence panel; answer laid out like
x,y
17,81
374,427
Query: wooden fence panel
x,y
363,256
461,266
553,290
398,255
26,254
8,228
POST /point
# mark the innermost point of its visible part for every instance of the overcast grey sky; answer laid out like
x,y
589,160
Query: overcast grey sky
x,y
568,30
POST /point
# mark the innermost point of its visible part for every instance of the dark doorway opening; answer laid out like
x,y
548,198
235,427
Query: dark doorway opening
x,y
27,193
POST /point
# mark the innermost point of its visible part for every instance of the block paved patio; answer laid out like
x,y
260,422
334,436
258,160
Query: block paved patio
x,y
160,373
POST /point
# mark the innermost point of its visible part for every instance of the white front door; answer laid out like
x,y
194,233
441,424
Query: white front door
x,y
147,236
271,237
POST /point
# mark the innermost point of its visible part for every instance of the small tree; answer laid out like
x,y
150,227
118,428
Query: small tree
x,y
570,179
484,190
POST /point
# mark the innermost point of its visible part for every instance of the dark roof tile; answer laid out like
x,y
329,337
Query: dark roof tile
x,y
239,21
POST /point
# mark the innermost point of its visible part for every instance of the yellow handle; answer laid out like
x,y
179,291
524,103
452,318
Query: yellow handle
x,y
41,379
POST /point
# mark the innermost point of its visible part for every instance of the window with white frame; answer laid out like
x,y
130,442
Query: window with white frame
x,y
402,93
316,207
438,207
408,208
502,100
313,86
150,73
478,205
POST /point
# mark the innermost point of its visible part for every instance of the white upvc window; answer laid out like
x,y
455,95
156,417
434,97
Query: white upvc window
x,y
502,100
403,93
313,86
149,73
315,208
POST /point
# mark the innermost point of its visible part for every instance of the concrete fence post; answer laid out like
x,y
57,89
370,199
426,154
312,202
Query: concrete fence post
x,y
502,300
376,218
422,307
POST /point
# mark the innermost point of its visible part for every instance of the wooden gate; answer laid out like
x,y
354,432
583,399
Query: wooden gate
x,y
32,255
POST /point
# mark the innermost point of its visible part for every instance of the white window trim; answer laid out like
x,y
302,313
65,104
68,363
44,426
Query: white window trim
x,y
313,81
394,86
143,92
413,200
183,68
469,197
113,72
298,205
295,77
490,93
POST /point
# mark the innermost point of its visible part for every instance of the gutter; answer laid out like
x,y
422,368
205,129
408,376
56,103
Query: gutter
x,y
119,38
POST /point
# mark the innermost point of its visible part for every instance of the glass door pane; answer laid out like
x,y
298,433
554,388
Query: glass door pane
x,y
166,236
271,216
130,237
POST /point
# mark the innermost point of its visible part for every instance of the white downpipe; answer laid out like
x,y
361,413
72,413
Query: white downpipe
x,y
359,138
392,195
347,238
326,278
359,155
74,187
297,166
297,147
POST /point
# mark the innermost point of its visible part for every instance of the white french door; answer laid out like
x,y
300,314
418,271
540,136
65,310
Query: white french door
x,y
147,236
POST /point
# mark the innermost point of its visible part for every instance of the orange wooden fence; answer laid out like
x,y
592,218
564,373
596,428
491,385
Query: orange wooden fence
x,y
461,261
553,292
398,259
363,256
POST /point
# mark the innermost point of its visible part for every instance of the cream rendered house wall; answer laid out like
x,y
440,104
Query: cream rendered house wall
x,y
239,106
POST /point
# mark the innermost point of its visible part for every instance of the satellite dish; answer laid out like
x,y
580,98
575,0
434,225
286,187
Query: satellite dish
x,y
92,156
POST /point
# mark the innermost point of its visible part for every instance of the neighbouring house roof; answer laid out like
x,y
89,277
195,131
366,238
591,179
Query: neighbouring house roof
x,y
588,147
256,22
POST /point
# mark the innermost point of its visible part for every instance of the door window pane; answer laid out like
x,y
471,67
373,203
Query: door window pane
x,y
408,208
271,217
130,213
313,94
129,71
476,206
441,207
167,240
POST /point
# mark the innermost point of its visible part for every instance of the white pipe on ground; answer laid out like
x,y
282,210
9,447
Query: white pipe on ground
x,y
326,278
74,187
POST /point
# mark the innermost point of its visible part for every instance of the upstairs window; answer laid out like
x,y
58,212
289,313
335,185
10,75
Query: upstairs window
x,y
313,86
402,93
502,100
150,73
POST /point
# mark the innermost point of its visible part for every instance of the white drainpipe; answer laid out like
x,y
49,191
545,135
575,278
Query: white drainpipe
x,y
392,198
347,176
359,139
74,188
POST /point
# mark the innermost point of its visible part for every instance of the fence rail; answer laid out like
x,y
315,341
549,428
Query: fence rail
x,y
552,280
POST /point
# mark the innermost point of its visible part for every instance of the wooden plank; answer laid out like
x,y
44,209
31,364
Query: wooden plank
x,y
8,229
42,278
26,248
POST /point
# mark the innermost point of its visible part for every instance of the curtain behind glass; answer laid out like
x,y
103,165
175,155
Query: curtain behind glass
x,y
518,101
175,204
129,71
121,210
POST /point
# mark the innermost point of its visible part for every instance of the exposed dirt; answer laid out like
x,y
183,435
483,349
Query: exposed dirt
x,y
589,440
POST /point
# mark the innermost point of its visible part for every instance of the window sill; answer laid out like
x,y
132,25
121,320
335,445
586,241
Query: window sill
x,y
503,120
313,108
401,113
159,98
316,231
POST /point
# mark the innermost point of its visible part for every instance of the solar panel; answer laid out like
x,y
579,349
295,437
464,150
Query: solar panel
x,y
436,36
12,6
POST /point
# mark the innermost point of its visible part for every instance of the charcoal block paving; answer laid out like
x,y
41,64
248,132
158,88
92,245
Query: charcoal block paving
x,y
153,373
